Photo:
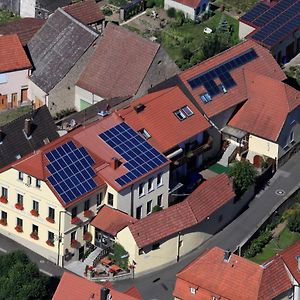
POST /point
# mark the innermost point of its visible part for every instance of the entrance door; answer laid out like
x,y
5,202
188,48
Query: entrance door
x,y
81,252
24,96
3,102
14,100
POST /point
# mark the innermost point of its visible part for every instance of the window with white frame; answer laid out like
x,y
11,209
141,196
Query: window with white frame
x,y
150,185
159,200
37,183
3,78
292,137
3,215
110,199
4,192
187,111
180,115
159,179
35,205
141,189
20,199
21,176
149,207
145,133
50,236
99,199
138,213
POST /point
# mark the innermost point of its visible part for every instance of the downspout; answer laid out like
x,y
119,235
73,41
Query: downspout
x,y
131,200
178,247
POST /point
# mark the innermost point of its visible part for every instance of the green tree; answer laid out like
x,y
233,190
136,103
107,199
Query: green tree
x,y
294,222
243,174
120,256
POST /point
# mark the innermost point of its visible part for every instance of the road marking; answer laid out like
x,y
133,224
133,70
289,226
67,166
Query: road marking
x,y
45,272
3,250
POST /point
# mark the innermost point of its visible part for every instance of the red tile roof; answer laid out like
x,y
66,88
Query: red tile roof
x,y
87,11
111,220
204,201
235,279
35,164
158,118
289,257
266,110
190,3
265,64
24,28
116,68
12,54
74,287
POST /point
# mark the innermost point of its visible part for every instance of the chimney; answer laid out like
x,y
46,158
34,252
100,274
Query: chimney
x,y
140,107
28,127
227,254
1,136
104,292
298,262
115,163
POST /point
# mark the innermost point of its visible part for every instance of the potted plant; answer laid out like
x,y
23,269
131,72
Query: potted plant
x,y
19,206
34,212
74,244
50,220
34,235
19,228
87,237
50,243
88,213
3,222
75,221
3,199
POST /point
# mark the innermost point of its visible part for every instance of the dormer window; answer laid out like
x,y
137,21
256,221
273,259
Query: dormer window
x,y
205,97
145,133
193,291
222,88
188,112
180,115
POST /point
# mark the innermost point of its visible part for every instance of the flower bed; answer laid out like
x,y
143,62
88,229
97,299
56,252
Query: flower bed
x,y
3,200
19,206
34,212
19,228
50,220
3,222
34,236
50,243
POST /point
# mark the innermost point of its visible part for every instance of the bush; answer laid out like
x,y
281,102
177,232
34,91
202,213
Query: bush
x,y
171,12
119,251
156,208
107,11
294,222
258,244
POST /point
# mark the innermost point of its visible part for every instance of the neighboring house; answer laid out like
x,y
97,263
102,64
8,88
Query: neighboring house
x,y
74,287
275,25
270,118
14,71
218,274
170,122
51,195
44,8
107,224
23,8
88,12
116,69
165,236
26,134
59,52
190,8
24,28
217,86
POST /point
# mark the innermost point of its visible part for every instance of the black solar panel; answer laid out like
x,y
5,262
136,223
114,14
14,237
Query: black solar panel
x,y
71,171
256,11
280,20
140,156
221,71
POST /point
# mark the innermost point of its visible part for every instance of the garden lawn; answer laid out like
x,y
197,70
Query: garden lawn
x,y
219,169
194,35
242,5
286,239
7,16
10,115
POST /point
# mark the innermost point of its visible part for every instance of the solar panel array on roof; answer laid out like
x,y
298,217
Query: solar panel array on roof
x,y
140,156
71,171
256,11
221,71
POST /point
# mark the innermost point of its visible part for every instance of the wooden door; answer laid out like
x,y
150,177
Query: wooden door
x,y
38,103
24,95
14,100
3,102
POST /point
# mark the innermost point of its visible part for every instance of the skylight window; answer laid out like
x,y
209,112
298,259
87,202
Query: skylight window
x,y
205,97
145,133
180,115
222,88
188,112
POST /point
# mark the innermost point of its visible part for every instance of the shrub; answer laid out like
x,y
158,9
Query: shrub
x,y
118,256
107,11
171,12
258,244
294,222
156,208
186,53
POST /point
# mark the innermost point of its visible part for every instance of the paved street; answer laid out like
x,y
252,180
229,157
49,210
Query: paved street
x,y
160,284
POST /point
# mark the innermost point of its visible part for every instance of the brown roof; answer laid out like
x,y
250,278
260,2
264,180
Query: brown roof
x,y
24,28
266,110
116,68
264,64
74,287
204,201
190,3
111,220
235,279
12,54
86,11
158,118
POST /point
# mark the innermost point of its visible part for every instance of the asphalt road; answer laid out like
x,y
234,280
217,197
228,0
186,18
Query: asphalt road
x,y
160,284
